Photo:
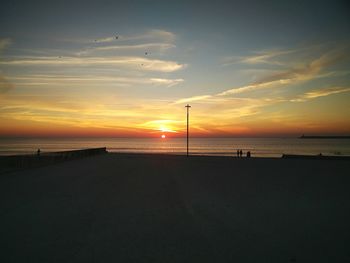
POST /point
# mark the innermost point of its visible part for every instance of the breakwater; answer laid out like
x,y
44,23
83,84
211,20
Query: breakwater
x,y
315,157
15,162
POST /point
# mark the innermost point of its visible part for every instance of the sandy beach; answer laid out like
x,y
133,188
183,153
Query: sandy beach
x,y
159,208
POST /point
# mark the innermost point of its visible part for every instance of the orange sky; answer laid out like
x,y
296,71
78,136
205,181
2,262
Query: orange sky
x,y
244,73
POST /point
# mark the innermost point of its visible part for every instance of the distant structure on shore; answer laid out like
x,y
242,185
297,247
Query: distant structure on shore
x,y
322,137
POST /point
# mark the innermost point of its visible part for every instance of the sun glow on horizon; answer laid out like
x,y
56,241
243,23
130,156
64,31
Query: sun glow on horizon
x,y
166,129
135,80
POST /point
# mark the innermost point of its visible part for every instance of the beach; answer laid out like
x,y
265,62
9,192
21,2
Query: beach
x,y
170,208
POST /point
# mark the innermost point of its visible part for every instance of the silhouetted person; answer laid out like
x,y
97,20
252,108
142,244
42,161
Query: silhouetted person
x,y
237,153
38,152
248,154
240,153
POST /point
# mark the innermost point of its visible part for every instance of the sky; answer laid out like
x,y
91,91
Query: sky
x,y
128,68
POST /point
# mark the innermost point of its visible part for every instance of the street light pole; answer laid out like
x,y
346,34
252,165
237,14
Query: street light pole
x,y
187,106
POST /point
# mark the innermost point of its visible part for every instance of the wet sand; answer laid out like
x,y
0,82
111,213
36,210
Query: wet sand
x,y
158,208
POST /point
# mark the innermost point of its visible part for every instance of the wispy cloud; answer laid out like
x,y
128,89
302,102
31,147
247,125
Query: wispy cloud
x,y
161,34
144,47
277,80
96,112
320,93
150,35
166,82
64,80
139,63
153,34
261,57
278,57
266,57
194,98
5,85
106,39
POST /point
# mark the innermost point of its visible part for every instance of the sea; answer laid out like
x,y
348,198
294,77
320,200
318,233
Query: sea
x,y
258,147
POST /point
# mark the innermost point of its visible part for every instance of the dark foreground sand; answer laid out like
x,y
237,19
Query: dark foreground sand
x,y
137,208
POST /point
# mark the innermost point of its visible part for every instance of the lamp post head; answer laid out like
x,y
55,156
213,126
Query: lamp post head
x,y
188,106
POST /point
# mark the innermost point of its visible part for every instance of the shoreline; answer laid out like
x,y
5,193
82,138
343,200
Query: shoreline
x,y
259,147
12,163
285,156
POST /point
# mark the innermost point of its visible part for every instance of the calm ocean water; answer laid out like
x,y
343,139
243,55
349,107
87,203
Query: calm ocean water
x,y
262,147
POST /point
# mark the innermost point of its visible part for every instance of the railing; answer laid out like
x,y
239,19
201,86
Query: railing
x,y
8,163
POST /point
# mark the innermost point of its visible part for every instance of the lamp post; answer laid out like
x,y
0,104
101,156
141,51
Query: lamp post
x,y
187,106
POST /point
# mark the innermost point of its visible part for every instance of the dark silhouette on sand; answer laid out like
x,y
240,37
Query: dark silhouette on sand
x,y
159,208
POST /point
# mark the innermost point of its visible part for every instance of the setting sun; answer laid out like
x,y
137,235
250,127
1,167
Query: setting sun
x,y
159,129
134,80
